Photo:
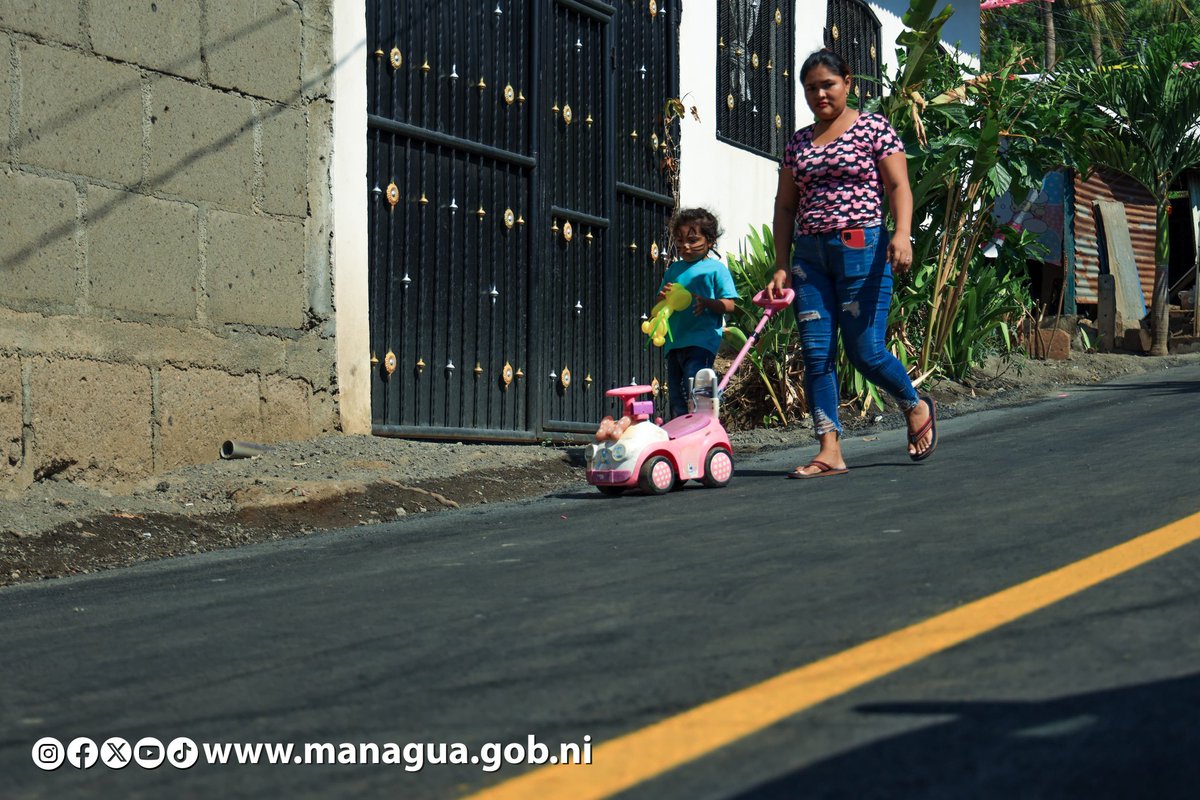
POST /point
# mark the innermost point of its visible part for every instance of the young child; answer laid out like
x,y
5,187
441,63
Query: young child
x,y
695,337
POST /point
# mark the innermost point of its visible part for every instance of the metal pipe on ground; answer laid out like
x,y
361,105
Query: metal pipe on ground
x,y
235,448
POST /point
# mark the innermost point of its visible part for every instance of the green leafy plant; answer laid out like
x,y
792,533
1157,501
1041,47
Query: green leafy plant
x,y
776,355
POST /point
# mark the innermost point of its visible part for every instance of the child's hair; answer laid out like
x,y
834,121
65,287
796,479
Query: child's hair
x,y
702,218
827,59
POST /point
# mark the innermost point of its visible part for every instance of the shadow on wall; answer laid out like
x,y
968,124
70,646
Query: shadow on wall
x,y
1136,741
154,181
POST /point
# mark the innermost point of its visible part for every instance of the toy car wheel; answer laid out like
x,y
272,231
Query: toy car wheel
x,y
657,476
611,491
718,468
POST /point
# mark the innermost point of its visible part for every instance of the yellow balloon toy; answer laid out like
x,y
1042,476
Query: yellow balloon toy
x,y
657,326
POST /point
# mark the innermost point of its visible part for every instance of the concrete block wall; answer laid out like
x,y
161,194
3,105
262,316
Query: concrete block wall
x,y
164,247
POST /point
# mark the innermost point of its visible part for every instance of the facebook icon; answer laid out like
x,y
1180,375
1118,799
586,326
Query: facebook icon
x,y
82,753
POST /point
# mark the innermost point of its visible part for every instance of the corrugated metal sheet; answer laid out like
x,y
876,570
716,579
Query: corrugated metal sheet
x,y
1139,210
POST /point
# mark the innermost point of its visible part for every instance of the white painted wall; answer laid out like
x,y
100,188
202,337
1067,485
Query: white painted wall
x,y
349,170
736,185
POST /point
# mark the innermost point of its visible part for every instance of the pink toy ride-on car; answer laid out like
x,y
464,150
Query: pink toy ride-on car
x,y
637,453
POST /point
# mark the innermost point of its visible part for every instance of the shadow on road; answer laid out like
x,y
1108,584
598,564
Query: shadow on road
x,y
1160,388
1137,741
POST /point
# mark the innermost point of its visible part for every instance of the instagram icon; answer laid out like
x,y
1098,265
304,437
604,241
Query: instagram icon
x,y
48,753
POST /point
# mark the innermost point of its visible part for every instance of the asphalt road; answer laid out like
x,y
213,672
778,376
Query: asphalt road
x,y
580,615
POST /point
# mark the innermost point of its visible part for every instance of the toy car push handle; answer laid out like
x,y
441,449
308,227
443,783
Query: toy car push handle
x,y
769,306
633,408
657,327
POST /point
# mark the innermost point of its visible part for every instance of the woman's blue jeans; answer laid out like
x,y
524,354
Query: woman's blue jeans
x,y
841,286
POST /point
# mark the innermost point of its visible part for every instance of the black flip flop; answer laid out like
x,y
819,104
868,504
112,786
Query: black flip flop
x,y
929,427
823,471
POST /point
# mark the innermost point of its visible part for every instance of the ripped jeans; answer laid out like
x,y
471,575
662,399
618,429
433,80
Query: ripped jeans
x,y
841,285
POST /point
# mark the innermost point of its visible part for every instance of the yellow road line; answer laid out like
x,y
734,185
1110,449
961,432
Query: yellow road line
x,y
647,753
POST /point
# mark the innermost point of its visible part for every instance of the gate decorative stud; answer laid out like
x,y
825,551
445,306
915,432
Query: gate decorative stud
x,y
423,201
520,372
389,362
478,369
499,11
425,66
578,308
481,85
506,374
565,378
589,120
568,231
509,94
493,294
393,194
588,379
420,365
566,114
633,247
374,359
450,366
554,228
520,96
554,108
376,192
453,206
481,213
396,59
509,218
589,237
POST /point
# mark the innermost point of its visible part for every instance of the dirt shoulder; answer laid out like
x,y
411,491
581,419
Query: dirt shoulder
x,y
57,528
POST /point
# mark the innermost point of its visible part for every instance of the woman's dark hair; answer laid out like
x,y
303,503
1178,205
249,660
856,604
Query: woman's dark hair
x,y
827,59
702,218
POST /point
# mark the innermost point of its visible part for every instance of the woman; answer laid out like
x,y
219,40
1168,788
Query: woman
x,y
830,207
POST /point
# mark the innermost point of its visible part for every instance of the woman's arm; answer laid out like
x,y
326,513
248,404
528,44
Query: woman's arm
x,y
787,196
894,171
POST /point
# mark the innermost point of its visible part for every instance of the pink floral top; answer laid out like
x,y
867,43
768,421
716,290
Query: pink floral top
x,y
839,182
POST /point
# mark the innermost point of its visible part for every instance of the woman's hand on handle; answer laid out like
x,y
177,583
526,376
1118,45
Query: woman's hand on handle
x,y
780,281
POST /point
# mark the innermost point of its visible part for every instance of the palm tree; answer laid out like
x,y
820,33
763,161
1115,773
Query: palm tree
x,y
1103,21
1050,40
1154,135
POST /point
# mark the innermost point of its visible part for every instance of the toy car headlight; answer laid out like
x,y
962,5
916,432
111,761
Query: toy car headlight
x,y
618,451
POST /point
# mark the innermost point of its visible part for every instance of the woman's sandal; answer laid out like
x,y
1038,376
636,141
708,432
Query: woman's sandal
x,y
929,427
823,471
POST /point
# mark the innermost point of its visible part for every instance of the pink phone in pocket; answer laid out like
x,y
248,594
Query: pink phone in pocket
x,y
855,238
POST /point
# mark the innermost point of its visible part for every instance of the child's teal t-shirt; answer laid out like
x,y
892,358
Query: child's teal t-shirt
x,y
708,278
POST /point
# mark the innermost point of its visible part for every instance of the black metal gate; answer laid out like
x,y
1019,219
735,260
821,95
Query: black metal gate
x,y
517,210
